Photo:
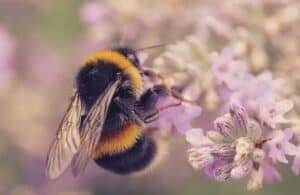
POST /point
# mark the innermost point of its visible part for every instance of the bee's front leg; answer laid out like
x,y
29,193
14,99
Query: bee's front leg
x,y
145,107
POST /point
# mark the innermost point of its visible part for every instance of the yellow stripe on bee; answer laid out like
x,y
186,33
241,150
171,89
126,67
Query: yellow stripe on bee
x,y
121,62
120,142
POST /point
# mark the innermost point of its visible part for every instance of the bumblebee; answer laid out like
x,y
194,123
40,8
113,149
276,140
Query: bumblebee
x,y
106,118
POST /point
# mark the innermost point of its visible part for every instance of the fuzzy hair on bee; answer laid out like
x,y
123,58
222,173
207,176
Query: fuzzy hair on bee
x,y
106,118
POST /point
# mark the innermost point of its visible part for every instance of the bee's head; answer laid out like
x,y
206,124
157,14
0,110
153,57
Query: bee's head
x,y
130,54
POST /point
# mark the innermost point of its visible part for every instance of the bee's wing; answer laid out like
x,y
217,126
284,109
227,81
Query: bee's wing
x,y
67,140
92,128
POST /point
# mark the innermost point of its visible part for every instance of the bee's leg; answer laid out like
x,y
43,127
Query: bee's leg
x,y
127,107
145,108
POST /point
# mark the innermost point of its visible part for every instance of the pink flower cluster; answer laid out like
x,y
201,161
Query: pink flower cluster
x,y
252,135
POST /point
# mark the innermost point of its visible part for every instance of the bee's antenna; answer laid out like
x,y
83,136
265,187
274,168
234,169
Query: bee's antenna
x,y
153,46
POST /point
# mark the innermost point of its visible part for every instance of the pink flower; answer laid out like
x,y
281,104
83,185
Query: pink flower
x,y
196,138
272,112
280,146
259,95
246,136
236,149
228,71
178,117
255,87
200,154
296,163
226,152
271,174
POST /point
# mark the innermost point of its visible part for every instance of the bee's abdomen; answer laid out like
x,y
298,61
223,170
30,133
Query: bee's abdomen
x,y
135,159
118,141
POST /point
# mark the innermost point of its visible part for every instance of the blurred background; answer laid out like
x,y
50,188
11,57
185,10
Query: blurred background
x,y
42,44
